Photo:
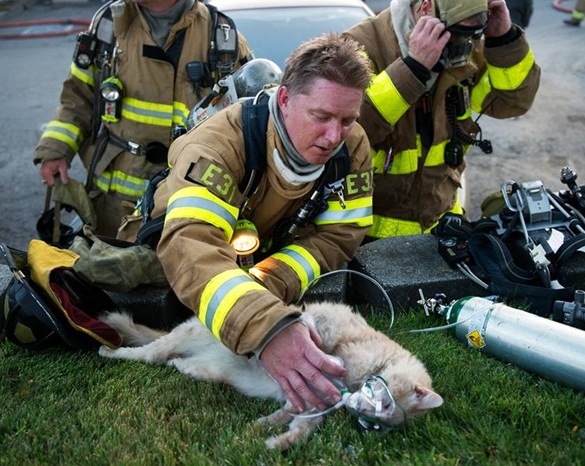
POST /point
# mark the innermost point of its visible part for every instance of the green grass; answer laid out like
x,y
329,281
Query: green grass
x,y
66,408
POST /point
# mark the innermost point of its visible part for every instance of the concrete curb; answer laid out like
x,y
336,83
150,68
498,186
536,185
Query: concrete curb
x,y
400,266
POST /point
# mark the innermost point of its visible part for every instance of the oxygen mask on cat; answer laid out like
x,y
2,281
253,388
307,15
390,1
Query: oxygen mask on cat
x,y
374,406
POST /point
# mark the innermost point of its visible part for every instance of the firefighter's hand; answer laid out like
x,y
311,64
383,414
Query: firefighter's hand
x,y
294,360
52,169
427,40
499,22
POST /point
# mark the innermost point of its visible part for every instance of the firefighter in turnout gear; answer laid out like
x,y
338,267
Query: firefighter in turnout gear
x,y
135,75
312,121
436,62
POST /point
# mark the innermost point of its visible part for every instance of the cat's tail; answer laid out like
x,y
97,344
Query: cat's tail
x,y
132,334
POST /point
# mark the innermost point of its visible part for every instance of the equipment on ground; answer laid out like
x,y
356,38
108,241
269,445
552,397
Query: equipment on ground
x,y
47,305
545,347
521,243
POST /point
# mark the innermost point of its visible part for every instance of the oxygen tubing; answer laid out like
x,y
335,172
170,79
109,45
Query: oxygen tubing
x,y
81,23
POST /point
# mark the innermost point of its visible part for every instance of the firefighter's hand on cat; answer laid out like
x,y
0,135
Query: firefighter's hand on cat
x,y
297,364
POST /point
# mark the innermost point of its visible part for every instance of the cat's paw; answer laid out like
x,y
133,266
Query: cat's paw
x,y
277,418
105,351
284,441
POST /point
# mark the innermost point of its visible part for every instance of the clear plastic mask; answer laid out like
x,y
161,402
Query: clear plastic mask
x,y
374,406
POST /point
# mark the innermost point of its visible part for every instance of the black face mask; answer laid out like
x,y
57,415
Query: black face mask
x,y
461,44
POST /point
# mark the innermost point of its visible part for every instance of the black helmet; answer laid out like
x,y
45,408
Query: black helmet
x,y
26,319
73,208
70,225
254,75
31,319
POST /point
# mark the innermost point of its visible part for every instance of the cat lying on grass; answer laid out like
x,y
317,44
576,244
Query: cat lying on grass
x,y
365,352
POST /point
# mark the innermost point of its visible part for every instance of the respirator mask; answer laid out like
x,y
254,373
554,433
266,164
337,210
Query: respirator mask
x,y
461,44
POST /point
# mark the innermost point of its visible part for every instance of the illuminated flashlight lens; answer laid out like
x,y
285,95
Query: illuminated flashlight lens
x,y
245,240
245,244
111,93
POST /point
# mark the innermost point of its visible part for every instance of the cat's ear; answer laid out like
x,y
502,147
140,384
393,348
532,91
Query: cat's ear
x,y
427,399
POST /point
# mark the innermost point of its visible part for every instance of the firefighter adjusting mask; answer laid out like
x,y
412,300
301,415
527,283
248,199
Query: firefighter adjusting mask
x,y
458,50
466,21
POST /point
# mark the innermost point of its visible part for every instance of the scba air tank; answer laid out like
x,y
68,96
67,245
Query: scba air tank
x,y
537,344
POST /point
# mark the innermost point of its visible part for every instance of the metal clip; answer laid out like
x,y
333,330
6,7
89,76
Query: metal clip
x,y
226,31
538,255
337,188
134,148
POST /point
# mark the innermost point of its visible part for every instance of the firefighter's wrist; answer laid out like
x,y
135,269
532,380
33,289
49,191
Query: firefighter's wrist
x,y
279,327
421,72
513,34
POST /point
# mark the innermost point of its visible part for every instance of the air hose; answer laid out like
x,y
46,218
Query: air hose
x,y
81,25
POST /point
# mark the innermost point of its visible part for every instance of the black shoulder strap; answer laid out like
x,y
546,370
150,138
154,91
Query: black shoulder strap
x,y
337,167
255,124
104,28
223,43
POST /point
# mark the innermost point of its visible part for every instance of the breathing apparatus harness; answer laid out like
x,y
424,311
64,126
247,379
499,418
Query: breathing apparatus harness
x,y
255,123
457,106
98,46
529,235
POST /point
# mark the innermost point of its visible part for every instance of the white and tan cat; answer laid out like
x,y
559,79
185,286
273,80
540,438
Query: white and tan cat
x,y
193,350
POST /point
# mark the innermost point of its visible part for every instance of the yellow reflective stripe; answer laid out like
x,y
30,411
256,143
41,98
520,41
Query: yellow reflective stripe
x,y
220,295
64,132
402,163
436,155
386,98
406,162
384,227
358,211
123,183
85,76
480,91
466,115
378,159
301,261
197,202
180,113
508,79
149,113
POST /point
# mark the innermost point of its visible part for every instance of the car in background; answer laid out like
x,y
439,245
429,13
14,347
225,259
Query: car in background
x,y
378,5
274,28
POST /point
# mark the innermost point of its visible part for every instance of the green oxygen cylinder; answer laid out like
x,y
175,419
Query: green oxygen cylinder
x,y
537,344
